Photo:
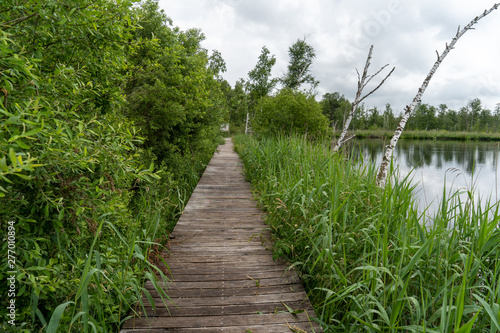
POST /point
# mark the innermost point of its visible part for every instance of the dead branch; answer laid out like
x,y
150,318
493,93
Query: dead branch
x,y
362,83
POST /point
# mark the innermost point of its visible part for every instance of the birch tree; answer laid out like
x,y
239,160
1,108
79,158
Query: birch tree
x,y
363,81
382,174
299,68
260,82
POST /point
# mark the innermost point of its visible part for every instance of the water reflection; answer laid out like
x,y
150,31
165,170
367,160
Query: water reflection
x,y
456,165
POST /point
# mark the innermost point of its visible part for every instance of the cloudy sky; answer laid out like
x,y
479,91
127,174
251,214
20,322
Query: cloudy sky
x,y
405,35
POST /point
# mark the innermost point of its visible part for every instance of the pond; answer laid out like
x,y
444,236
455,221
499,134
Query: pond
x,y
434,164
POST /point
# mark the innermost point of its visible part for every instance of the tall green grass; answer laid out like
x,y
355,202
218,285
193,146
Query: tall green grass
x,y
369,259
112,276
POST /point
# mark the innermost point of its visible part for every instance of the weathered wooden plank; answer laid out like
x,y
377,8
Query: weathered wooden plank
x,y
219,310
227,276
227,284
269,328
216,321
215,268
252,290
234,300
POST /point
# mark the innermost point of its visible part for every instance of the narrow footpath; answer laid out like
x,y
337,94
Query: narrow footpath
x,y
223,277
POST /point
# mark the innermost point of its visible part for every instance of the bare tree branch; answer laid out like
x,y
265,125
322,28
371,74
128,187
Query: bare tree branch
x,y
362,83
381,83
382,175
372,76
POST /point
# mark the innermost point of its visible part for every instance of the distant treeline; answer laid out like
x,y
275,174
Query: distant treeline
x,y
472,117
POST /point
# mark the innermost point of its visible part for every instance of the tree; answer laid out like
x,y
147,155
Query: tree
x,y
238,107
217,65
382,174
67,155
299,68
335,106
174,90
474,108
389,119
443,121
363,81
260,83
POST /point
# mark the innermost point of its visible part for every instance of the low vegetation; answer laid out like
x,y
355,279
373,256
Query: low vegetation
x,y
369,259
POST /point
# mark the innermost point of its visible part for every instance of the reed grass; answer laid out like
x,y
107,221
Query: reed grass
x,y
370,260
112,278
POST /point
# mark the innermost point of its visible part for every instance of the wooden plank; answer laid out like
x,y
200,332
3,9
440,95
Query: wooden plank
x,y
234,300
222,274
176,276
252,290
273,328
218,310
227,284
216,321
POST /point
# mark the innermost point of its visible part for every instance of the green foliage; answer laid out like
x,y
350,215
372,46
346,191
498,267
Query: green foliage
x,y
370,261
237,103
93,170
336,108
260,83
291,112
173,93
430,135
299,68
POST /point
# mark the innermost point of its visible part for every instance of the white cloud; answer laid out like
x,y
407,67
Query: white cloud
x,y
405,35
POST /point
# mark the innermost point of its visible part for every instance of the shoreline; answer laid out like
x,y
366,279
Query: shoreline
x,y
429,135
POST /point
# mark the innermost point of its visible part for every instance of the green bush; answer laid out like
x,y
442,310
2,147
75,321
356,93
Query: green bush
x,y
290,112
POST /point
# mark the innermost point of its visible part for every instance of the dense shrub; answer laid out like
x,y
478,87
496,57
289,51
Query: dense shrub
x,y
290,111
98,152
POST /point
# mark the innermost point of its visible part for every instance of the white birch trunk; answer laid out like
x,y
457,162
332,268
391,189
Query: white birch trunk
x,y
246,125
382,174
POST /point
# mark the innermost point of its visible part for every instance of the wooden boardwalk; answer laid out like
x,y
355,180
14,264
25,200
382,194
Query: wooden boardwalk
x,y
223,277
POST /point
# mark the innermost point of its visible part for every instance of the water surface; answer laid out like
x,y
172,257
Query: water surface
x,y
436,164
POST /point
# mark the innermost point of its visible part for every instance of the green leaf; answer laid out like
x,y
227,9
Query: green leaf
x,y
23,176
22,144
56,317
490,311
467,328
3,164
13,158
32,132
416,257
64,20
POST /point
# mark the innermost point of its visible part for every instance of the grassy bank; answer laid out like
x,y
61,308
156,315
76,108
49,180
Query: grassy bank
x,y
430,135
367,262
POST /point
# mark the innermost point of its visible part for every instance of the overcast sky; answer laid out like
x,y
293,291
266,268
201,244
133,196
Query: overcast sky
x,y
405,35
